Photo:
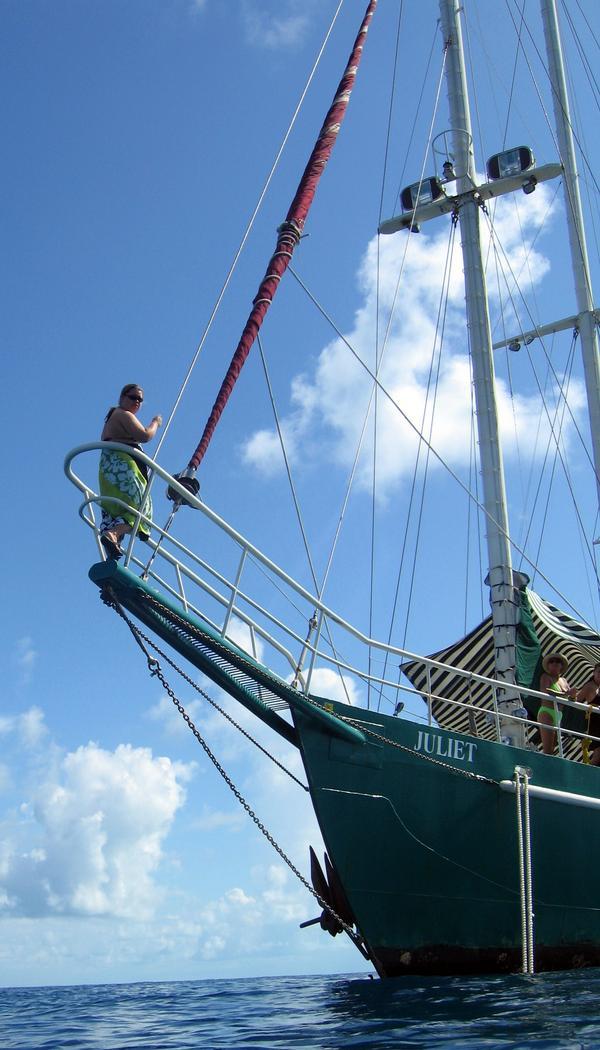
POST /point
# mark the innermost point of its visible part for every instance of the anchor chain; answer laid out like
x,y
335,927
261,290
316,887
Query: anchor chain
x,y
109,598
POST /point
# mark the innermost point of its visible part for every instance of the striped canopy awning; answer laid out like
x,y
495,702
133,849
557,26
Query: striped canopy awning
x,y
557,632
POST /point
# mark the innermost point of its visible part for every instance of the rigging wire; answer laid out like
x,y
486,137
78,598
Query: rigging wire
x,y
296,504
442,310
559,385
286,461
381,353
375,385
581,126
552,129
435,356
555,375
377,362
593,83
437,456
559,418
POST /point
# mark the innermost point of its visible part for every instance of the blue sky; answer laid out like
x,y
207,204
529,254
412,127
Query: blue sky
x,y
137,138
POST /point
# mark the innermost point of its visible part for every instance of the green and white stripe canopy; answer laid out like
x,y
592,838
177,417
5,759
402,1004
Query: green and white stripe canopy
x,y
556,632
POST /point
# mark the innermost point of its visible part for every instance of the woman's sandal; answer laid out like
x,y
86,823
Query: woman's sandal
x,y
111,547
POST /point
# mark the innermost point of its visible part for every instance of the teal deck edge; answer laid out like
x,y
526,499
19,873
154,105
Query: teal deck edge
x,y
132,593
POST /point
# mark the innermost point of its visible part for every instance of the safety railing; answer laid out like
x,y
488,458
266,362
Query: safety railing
x,y
307,616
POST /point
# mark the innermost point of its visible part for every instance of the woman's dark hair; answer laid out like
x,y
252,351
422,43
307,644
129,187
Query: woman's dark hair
x,y
125,390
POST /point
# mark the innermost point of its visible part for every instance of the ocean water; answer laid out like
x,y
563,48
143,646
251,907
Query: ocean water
x,y
549,1010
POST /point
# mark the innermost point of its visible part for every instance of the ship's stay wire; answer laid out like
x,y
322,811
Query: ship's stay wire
x,y
381,354
377,353
582,124
287,464
296,504
248,228
436,357
437,455
321,589
557,380
550,124
555,432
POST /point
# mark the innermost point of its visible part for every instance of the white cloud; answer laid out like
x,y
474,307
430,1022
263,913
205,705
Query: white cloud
x,y
328,406
240,923
239,633
29,726
100,823
276,27
169,717
329,683
211,819
25,657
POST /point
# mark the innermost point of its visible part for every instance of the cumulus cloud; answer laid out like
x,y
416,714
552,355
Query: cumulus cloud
x,y
327,407
335,686
276,26
240,923
169,717
101,822
28,727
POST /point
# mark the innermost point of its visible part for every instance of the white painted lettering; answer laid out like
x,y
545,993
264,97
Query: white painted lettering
x,y
439,748
471,747
445,747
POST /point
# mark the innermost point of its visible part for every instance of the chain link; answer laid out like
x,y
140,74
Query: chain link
x,y
218,708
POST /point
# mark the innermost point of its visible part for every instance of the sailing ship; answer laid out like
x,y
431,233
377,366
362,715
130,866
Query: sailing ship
x,y
453,845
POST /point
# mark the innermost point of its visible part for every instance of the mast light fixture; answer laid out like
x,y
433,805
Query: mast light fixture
x,y
424,192
510,162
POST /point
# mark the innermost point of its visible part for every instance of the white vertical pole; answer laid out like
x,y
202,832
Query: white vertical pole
x,y
502,591
577,243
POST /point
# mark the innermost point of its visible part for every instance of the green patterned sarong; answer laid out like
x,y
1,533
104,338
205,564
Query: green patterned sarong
x,y
121,477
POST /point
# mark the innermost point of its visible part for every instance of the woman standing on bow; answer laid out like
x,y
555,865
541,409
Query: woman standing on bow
x,y
121,475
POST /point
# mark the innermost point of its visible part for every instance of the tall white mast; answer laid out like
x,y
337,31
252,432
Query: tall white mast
x,y
579,258
502,591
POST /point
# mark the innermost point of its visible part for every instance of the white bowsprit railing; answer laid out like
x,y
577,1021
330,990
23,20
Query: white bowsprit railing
x,y
295,627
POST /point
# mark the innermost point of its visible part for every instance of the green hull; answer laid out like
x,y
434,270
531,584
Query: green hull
x,y
429,858
423,839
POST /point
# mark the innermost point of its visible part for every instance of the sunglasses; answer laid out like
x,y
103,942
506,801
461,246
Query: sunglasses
x,y
134,397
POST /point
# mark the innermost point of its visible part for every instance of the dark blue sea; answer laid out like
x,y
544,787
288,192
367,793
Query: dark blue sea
x,y
550,1010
